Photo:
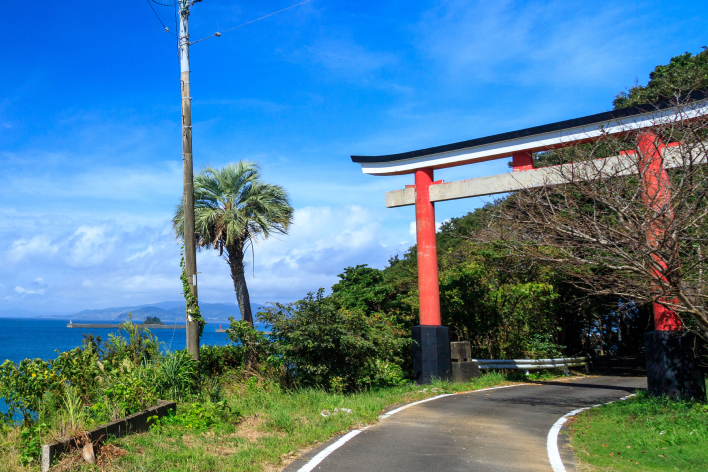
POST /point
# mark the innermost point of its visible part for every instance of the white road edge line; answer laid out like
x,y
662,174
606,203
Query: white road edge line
x,y
552,441
315,461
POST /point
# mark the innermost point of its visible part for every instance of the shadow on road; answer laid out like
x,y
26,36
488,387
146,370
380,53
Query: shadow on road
x,y
584,385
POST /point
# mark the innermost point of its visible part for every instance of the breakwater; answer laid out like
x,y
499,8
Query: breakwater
x,y
116,326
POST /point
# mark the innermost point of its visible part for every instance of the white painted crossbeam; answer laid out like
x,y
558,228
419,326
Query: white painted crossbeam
x,y
503,183
542,138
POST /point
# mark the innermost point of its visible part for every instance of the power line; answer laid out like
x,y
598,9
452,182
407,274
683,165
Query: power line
x,y
162,4
158,17
217,34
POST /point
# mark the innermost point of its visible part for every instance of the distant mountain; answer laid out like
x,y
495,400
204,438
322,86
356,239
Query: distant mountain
x,y
168,312
168,305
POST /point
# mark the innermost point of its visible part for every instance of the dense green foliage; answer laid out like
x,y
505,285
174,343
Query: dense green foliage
x,y
323,343
153,320
683,74
642,434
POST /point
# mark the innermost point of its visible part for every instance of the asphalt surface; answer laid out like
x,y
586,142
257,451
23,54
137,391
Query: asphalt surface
x,y
493,431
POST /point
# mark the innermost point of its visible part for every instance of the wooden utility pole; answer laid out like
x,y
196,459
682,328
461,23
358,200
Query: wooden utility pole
x,y
190,249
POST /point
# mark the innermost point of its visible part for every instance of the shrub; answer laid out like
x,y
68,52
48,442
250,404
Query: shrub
x,y
215,360
130,388
79,368
325,345
251,345
23,385
199,416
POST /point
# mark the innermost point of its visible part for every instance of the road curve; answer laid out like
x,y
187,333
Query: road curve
x,y
498,430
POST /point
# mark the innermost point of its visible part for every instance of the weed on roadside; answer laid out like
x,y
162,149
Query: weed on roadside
x,y
642,434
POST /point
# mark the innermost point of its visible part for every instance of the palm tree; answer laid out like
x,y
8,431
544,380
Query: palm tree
x,y
233,208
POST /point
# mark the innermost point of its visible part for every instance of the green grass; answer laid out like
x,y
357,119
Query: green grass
x,y
265,427
642,434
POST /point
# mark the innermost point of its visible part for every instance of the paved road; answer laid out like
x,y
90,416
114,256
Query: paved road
x,y
494,431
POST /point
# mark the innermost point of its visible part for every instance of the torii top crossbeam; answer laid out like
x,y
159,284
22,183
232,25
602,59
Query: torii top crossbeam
x,y
538,138
516,144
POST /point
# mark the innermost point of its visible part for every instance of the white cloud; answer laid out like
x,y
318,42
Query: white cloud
x,y
41,245
141,254
91,246
24,291
322,242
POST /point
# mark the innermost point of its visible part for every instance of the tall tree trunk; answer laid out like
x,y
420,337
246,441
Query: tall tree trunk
x,y
238,275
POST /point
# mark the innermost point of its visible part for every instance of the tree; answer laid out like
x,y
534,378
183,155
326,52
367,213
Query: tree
x,y
233,209
150,320
683,74
616,229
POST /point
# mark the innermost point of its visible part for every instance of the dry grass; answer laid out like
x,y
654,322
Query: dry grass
x,y
9,453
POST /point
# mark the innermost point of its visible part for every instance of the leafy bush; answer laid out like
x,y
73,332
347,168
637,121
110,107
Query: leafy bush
x,y
131,388
251,345
79,368
325,345
199,416
30,443
23,385
215,360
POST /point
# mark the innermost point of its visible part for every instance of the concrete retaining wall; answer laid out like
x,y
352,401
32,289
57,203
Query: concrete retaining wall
x,y
130,424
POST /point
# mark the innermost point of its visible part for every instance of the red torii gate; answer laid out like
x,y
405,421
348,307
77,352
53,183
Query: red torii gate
x,y
431,347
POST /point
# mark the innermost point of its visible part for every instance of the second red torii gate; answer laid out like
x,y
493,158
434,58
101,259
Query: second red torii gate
x,y
432,354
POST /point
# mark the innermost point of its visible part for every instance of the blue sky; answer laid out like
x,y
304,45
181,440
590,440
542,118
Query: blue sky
x,y
90,140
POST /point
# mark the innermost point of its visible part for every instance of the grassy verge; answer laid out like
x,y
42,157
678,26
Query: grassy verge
x,y
642,434
264,427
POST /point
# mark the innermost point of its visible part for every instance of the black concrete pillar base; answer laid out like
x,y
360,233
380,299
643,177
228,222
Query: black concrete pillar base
x,y
431,353
671,366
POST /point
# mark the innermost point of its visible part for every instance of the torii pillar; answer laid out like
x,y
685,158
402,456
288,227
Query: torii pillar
x,y
671,363
431,340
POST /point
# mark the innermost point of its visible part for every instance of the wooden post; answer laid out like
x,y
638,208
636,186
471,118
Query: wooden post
x,y
190,249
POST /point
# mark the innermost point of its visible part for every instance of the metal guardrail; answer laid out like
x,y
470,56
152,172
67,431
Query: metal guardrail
x,y
533,364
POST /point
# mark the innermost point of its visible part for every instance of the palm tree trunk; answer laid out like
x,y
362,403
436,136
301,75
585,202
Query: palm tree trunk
x,y
238,275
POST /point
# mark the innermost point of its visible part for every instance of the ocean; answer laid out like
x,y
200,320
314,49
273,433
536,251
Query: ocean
x,y
23,338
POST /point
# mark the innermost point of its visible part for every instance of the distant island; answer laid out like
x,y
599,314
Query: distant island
x,y
171,312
